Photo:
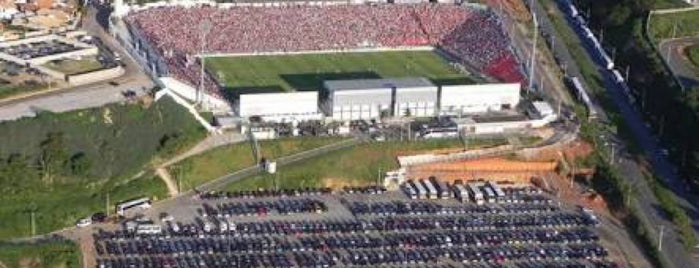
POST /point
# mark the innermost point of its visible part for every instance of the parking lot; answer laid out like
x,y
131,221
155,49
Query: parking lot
x,y
357,227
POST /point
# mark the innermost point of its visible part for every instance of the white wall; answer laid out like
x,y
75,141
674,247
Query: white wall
x,y
360,104
478,98
291,103
189,93
417,101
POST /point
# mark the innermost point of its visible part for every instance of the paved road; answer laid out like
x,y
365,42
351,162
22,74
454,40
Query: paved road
x,y
683,69
87,96
650,209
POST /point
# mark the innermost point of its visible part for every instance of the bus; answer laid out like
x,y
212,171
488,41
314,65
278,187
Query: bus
x,y
460,193
431,190
489,194
442,188
499,194
141,203
476,194
421,191
148,229
410,190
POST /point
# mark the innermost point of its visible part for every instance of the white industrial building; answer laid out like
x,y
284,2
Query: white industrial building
x,y
471,99
417,97
280,107
365,99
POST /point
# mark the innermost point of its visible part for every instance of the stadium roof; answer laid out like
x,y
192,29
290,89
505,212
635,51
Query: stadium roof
x,y
358,84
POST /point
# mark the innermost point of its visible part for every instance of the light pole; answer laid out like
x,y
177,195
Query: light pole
x,y
660,237
533,54
205,27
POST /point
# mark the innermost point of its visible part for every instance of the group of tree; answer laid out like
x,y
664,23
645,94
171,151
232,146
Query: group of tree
x,y
672,111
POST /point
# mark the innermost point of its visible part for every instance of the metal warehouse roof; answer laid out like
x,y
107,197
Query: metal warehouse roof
x,y
357,84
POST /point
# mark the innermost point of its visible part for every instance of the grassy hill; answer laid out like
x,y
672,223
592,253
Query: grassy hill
x,y
62,166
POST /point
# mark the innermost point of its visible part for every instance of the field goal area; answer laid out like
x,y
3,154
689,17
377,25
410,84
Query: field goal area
x,y
306,72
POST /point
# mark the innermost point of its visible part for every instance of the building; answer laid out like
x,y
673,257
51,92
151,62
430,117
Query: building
x,y
365,99
280,107
416,97
471,99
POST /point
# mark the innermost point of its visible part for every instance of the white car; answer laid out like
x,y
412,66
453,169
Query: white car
x,y
84,222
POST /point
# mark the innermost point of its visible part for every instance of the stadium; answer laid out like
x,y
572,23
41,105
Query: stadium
x,y
310,43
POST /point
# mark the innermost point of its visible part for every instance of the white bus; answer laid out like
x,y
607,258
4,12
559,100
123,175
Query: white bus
x,y
421,191
431,190
489,194
476,194
442,188
460,193
148,229
499,194
409,190
141,203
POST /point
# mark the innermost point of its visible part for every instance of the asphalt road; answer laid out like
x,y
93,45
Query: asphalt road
x,y
673,52
87,96
650,208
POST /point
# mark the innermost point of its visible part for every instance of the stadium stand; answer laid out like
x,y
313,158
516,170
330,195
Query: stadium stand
x,y
474,36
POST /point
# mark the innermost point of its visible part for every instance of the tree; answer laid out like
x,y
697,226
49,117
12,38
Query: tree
x,y
53,158
79,164
619,15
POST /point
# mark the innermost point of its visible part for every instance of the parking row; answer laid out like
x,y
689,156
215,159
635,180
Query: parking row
x,y
481,222
261,208
519,255
262,193
424,207
449,238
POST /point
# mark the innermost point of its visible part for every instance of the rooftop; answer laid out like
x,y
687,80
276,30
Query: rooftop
x,y
358,84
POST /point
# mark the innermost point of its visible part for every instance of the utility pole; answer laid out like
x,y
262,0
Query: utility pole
x,y
205,27
660,237
533,54
612,158
662,127
628,67
107,205
32,222
601,37
674,30
559,108
378,178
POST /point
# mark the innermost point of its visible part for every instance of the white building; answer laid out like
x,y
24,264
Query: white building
x,y
418,97
373,98
471,99
279,107
358,99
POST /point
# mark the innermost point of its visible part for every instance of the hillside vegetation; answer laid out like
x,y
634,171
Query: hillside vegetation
x,y
60,167
62,254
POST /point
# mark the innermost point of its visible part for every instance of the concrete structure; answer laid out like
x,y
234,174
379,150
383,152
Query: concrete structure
x,y
418,97
279,107
471,99
374,98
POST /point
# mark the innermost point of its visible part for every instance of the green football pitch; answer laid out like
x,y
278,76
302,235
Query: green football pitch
x,y
308,71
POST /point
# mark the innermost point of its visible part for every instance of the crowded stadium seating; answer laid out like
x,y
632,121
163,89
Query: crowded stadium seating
x,y
473,36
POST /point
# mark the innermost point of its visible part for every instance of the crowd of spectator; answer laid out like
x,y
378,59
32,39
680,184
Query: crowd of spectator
x,y
474,36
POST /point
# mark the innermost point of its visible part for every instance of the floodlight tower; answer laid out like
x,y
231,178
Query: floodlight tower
x,y
204,27
533,53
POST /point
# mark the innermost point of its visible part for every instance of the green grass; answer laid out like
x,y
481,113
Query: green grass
x,y
44,254
307,72
661,25
667,4
221,161
355,165
114,149
693,55
71,67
